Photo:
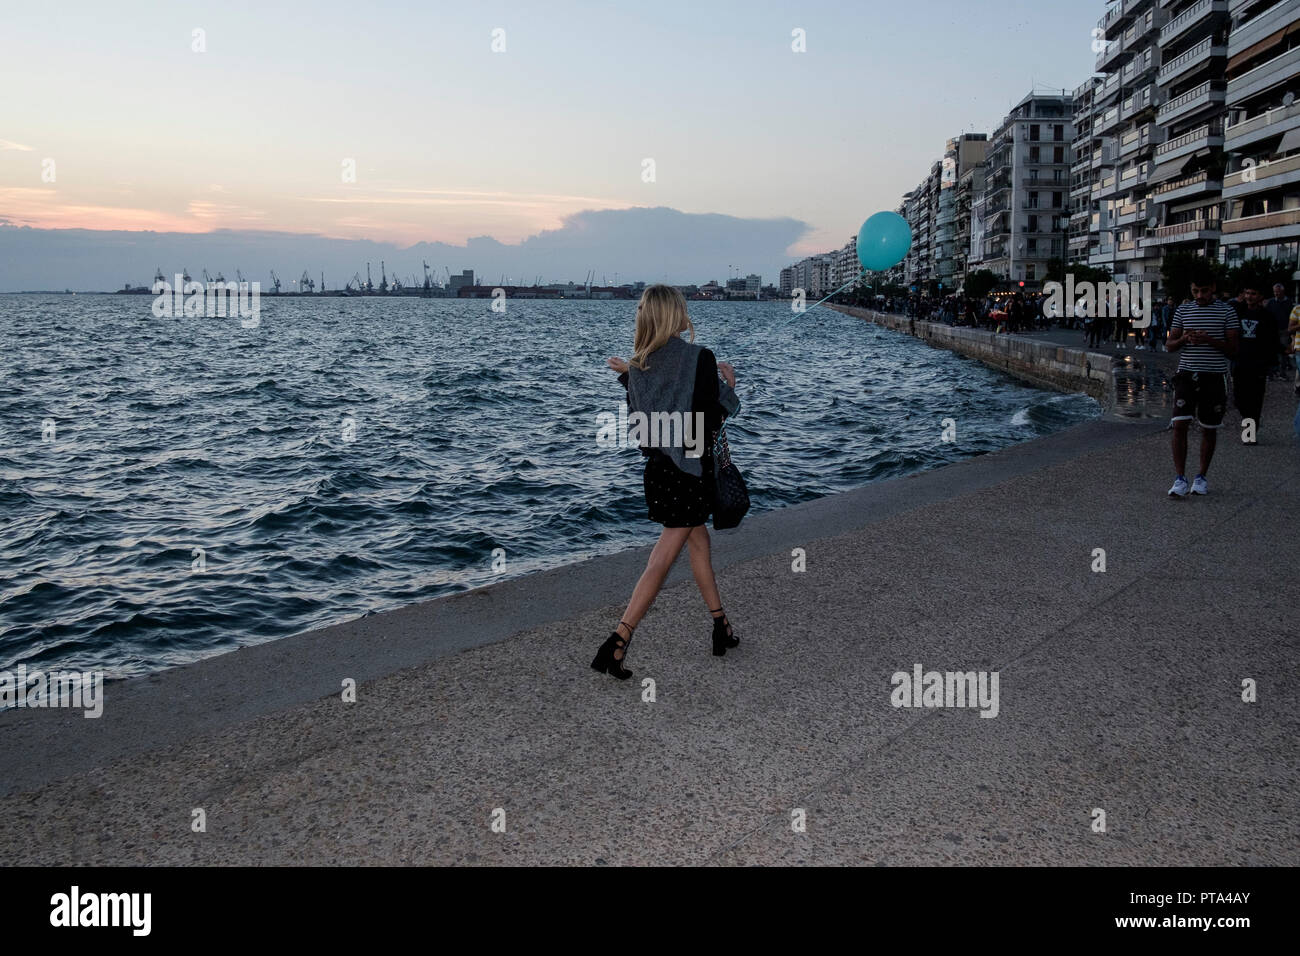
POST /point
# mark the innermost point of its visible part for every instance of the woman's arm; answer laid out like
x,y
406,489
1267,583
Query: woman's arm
x,y
707,390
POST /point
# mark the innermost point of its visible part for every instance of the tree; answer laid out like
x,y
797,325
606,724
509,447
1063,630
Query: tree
x,y
1260,274
980,283
1057,271
1179,268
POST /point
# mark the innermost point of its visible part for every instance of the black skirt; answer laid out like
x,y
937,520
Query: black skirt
x,y
675,499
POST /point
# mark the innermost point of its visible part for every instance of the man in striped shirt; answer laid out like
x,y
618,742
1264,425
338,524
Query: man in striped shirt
x,y
1205,332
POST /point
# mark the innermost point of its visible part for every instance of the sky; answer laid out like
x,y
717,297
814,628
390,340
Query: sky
x,y
122,119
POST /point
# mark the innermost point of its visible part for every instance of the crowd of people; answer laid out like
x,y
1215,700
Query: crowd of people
x,y
1264,344
999,312
1020,312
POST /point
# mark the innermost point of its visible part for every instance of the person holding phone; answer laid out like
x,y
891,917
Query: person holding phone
x,y
1205,331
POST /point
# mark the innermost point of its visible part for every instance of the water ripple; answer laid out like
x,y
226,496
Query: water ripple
x,y
210,486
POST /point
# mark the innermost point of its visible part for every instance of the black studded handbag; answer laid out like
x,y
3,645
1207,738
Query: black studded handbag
x,y
730,496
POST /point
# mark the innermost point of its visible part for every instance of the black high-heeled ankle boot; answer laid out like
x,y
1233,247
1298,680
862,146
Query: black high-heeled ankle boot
x,y
723,637
606,662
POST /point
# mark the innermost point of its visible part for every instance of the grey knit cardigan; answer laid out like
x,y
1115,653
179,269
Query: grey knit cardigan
x,y
668,385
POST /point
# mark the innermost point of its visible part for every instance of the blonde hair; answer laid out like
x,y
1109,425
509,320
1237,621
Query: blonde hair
x,y
660,315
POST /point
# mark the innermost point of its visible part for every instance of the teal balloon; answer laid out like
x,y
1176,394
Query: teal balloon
x,y
883,241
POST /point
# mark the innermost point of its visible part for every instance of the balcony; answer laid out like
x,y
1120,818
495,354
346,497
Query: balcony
x,y
1266,175
1137,66
1189,103
1197,56
1126,249
1197,15
1137,140
1198,230
1105,156
1133,177
1107,89
1263,26
1140,101
1108,121
1186,187
1275,121
1269,220
1128,214
1107,57
1277,70
1209,135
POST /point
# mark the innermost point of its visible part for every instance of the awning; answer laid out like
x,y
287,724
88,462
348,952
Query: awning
x,y
1255,49
1290,140
1166,171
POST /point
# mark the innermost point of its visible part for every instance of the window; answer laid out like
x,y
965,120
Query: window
x,y
1058,133
1034,154
1033,200
1058,154
1033,132
1029,272
1057,200
1033,223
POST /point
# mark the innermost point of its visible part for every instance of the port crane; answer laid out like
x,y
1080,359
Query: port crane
x,y
369,285
383,279
306,284
275,283
428,285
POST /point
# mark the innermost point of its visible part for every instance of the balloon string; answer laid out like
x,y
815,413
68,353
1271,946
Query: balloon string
x,y
862,275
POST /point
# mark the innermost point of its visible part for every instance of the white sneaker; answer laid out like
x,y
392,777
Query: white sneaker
x,y
1200,486
1180,488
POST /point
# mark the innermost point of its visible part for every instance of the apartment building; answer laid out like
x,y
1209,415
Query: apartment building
x,y
1261,192
1024,215
1123,139
1186,130
920,209
1186,184
845,267
970,186
948,254
1084,236
812,274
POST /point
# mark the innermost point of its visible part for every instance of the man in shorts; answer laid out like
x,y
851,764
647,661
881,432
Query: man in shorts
x,y
1205,333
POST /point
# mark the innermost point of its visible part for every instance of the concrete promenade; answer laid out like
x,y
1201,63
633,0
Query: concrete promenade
x,y
1119,690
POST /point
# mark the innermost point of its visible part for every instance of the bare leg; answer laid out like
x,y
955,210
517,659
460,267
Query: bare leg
x,y
702,566
1180,448
1209,441
665,552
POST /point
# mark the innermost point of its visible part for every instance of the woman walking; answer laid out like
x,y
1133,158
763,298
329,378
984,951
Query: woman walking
x,y
668,376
